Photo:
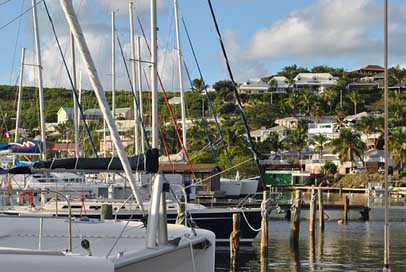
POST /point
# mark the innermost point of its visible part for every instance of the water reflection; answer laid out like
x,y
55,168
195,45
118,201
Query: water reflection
x,y
357,246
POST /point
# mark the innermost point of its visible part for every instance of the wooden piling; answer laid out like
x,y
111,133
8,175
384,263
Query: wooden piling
x,y
346,204
106,211
312,210
235,241
264,234
295,218
321,209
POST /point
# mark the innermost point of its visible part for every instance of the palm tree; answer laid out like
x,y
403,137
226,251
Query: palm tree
x,y
339,119
329,95
320,141
273,143
274,85
293,101
354,98
306,100
297,141
397,145
316,110
349,146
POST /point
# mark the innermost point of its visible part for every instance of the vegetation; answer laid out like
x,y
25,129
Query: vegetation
x,y
261,111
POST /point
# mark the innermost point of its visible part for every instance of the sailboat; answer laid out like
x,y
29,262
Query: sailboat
x,y
44,244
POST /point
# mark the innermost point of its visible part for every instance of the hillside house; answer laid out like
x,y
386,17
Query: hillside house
x,y
64,114
282,84
316,82
254,86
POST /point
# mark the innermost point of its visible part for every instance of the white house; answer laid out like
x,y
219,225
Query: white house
x,y
254,86
288,122
323,125
282,84
317,82
260,135
64,114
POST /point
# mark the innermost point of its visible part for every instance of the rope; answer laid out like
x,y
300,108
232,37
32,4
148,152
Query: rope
x,y
20,15
192,254
16,42
140,117
71,81
248,223
213,111
172,115
204,121
243,117
4,2
166,149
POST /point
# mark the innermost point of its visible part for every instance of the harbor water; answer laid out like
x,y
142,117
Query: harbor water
x,y
357,246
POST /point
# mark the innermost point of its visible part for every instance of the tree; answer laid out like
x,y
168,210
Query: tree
x,y
290,72
329,168
224,89
272,143
354,98
320,141
348,145
306,100
198,85
329,95
397,146
297,139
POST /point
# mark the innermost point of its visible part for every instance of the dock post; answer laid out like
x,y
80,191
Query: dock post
x,y
106,211
346,204
312,211
235,241
295,219
264,233
321,209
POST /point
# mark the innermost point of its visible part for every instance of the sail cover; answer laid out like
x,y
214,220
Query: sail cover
x,y
28,147
105,164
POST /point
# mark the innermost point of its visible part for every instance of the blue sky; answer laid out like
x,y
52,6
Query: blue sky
x,y
261,36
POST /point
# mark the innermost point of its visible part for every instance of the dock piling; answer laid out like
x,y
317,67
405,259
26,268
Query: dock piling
x,y
106,211
321,209
235,241
312,210
295,218
346,204
264,233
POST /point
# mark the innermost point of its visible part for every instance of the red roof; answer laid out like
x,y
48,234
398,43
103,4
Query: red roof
x,y
184,167
376,68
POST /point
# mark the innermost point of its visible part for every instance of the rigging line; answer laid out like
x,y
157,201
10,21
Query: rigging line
x,y
20,15
16,42
167,43
175,124
71,81
237,97
166,149
4,2
140,117
204,120
209,102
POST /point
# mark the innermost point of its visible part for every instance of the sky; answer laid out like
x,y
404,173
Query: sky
x,y
261,37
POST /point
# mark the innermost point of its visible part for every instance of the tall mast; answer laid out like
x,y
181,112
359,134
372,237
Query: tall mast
x,y
386,152
20,93
139,81
113,68
134,78
40,82
154,77
100,94
75,103
80,97
180,66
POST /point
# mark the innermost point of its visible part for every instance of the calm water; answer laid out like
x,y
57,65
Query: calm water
x,y
357,246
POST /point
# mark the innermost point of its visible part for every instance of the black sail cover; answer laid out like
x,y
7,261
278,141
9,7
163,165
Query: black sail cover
x,y
105,164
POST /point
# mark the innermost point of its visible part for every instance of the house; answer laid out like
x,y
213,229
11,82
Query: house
x,y
288,122
281,82
371,139
350,120
61,150
64,114
93,114
125,128
254,86
370,70
400,88
260,135
316,82
323,125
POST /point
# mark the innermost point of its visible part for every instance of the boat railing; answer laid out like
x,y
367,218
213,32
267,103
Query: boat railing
x,y
69,250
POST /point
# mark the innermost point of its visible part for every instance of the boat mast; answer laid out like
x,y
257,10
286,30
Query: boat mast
x,y
386,136
154,77
75,103
20,93
40,82
134,77
113,69
100,94
139,81
180,66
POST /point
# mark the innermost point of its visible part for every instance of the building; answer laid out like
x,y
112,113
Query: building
x,y
316,82
282,84
288,122
370,70
124,114
255,86
64,114
323,125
